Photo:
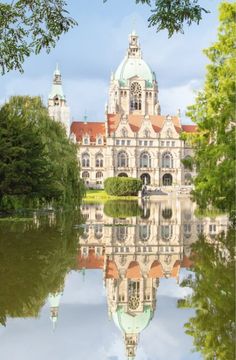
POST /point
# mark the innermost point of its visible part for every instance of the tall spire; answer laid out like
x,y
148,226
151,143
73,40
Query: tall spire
x,y
54,300
57,106
57,90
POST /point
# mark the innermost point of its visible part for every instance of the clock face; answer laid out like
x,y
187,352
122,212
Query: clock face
x,y
135,88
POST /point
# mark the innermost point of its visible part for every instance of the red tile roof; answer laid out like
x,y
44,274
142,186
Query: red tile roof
x,y
135,122
189,128
93,129
91,261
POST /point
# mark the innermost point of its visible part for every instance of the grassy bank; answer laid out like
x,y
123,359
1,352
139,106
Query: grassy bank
x,y
101,196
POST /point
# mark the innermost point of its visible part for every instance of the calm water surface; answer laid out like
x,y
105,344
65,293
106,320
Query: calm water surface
x,y
101,285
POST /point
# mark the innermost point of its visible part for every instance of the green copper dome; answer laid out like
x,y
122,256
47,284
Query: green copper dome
x,y
132,324
131,67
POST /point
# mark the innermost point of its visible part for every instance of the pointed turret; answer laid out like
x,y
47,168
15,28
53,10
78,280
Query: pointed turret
x,y
57,106
57,90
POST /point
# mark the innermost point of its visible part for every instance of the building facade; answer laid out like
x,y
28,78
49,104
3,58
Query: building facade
x,y
135,139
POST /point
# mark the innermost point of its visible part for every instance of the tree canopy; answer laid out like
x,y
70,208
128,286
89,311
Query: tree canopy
x,y
38,163
214,113
29,26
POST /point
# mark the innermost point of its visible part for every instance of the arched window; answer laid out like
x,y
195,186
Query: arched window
x,y
85,160
166,232
167,213
122,159
121,233
144,232
85,234
135,96
167,160
167,180
133,294
145,160
98,231
99,175
85,174
99,160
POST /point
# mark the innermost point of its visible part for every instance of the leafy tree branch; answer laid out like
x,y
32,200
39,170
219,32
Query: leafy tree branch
x,y
29,26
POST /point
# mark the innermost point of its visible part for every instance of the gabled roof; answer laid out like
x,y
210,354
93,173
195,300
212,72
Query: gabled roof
x,y
135,122
93,129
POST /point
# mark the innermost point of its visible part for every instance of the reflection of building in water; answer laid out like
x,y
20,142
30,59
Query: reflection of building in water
x,y
134,253
54,301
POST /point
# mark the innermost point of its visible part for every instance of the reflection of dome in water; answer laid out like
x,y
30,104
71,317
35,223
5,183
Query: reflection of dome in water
x,y
132,324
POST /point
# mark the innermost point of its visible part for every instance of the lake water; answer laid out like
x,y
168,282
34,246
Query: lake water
x,y
103,285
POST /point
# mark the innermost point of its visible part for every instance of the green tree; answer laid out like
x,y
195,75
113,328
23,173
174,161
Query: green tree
x,y
214,113
28,26
122,186
38,163
213,296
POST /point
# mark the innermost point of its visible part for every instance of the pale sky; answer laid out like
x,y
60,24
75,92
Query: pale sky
x,y
88,53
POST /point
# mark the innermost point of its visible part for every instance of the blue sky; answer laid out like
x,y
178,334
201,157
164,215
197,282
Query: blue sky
x,y
85,332
89,52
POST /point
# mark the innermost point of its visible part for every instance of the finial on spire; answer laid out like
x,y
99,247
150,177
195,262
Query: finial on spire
x,y
134,25
85,117
57,70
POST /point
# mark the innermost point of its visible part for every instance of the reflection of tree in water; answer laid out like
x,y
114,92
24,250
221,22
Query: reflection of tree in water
x,y
34,261
213,297
122,209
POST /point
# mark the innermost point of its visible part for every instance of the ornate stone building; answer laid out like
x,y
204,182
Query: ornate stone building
x,y
135,139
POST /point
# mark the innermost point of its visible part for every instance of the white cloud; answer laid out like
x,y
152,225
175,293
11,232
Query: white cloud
x,y
179,97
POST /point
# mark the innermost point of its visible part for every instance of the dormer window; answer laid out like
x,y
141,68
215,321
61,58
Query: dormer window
x,y
99,140
86,140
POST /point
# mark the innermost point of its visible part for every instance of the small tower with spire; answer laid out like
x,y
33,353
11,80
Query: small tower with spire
x,y
54,301
57,106
131,342
134,50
